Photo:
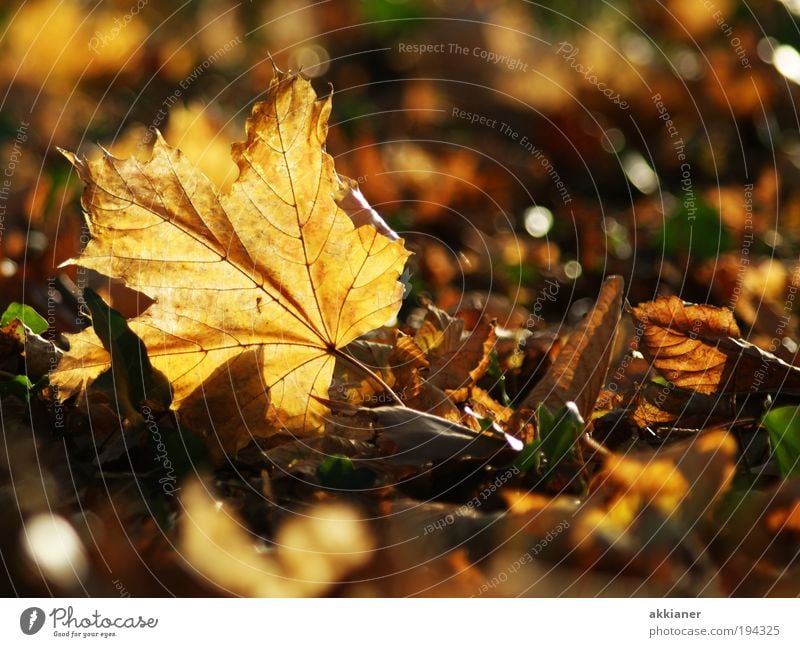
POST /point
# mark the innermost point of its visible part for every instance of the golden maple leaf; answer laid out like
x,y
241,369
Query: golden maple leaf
x,y
255,289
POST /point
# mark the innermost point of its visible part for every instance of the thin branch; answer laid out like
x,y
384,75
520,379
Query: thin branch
x,y
596,447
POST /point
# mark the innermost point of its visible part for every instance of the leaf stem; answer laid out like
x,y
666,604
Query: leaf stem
x,y
596,447
369,373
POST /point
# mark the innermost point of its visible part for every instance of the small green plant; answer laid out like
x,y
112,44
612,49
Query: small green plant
x,y
783,429
21,385
25,315
557,433
337,471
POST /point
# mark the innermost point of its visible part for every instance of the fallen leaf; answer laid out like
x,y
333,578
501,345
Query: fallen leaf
x,y
757,542
400,364
580,368
660,405
314,551
431,399
641,507
408,365
487,407
416,438
259,287
458,358
698,347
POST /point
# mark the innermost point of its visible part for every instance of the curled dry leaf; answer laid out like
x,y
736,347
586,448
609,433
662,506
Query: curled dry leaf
x,y
399,363
409,364
416,438
698,347
256,289
431,399
486,406
361,213
458,358
580,368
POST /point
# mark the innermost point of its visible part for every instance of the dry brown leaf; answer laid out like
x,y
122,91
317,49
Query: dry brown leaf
x,y
758,542
409,362
698,347
254,289
658,405
581,366
458,359
683,479
431,399
641,507
398,361
487,407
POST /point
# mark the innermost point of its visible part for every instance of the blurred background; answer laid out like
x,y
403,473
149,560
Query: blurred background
x,y
510,142
514,145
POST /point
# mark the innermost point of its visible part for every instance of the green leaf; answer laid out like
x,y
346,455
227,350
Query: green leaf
x,y
695,227
557,437
390,16
26,315
742,492
559,432
530,457
783,429
19,386
337,471
498,376
178,451
485,423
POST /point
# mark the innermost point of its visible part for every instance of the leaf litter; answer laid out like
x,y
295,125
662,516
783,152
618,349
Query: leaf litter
x,y
276,335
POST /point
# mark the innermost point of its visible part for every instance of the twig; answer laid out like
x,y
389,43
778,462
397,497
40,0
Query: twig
x,y
596,447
